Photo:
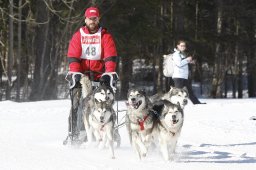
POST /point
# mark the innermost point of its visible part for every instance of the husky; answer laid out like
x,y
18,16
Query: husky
x,y
93,98
102,98
102,126
168,129
139,121
178,96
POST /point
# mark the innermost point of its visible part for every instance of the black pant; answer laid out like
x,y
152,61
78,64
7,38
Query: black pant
x,y
180,83
75,95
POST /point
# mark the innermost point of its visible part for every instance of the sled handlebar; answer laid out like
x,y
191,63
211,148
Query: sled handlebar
x,y
73,74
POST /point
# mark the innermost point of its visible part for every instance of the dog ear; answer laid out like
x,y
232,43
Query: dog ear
x,y
179,108
171,88
143,92
164,109
166,102
185,89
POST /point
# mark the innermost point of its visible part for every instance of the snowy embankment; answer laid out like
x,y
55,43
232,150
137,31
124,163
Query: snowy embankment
x,y
218,135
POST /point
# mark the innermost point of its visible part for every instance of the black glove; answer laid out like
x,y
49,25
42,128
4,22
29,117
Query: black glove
x,y
105,79
77,77
74,80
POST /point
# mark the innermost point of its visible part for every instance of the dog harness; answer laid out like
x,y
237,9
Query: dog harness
x,y
141,122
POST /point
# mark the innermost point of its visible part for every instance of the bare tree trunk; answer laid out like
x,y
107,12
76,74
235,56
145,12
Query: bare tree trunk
x,y
251,61
165,45
226,85
162,45
196,20
19,53
41,62
216,82
10,52
126,74
239,64
154,70
179,19
171,82
240,79
198,72
50,87
235,72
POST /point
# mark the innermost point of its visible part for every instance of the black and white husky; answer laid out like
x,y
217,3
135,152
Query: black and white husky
x,y
139,121
168,128
169,108
98,113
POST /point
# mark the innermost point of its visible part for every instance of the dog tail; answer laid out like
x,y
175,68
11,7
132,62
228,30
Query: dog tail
x,y
86,86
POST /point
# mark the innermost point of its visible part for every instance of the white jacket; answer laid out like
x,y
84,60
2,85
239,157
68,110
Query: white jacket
x,y
180,65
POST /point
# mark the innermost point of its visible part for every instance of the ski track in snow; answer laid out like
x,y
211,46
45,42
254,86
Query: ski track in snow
x,y
218,135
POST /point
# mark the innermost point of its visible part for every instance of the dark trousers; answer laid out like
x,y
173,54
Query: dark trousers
x,y
180,83
75,116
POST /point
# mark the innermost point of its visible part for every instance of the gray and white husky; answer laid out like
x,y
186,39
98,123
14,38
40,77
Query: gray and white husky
x,y
178,96
92,99
101,122
139,121
95,103
169,127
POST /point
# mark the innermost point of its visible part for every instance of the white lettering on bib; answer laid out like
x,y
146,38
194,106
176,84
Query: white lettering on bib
x,y
91,45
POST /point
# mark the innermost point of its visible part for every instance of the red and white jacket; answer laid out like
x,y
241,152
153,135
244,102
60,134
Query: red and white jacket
x,y
92,52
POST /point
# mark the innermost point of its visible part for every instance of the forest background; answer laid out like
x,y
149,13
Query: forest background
x,y
221,36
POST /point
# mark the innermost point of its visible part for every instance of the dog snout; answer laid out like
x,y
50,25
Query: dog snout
x,y
173,117
133,99
102,118
185,101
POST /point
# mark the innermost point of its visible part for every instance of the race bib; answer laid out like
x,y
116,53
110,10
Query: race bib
x,y
91,45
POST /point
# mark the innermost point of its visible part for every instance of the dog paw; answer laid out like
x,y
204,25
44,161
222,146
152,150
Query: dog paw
x,y
113,157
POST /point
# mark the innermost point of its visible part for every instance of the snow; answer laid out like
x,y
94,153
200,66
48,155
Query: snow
x,y
218,135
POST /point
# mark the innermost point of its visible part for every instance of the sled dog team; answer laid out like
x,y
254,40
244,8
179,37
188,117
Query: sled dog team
x,y
156,120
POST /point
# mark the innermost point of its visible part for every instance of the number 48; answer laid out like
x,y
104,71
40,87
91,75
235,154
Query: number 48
x,y
90,51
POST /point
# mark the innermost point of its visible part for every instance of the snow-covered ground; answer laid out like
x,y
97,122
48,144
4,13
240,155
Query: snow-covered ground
x,y
218,135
